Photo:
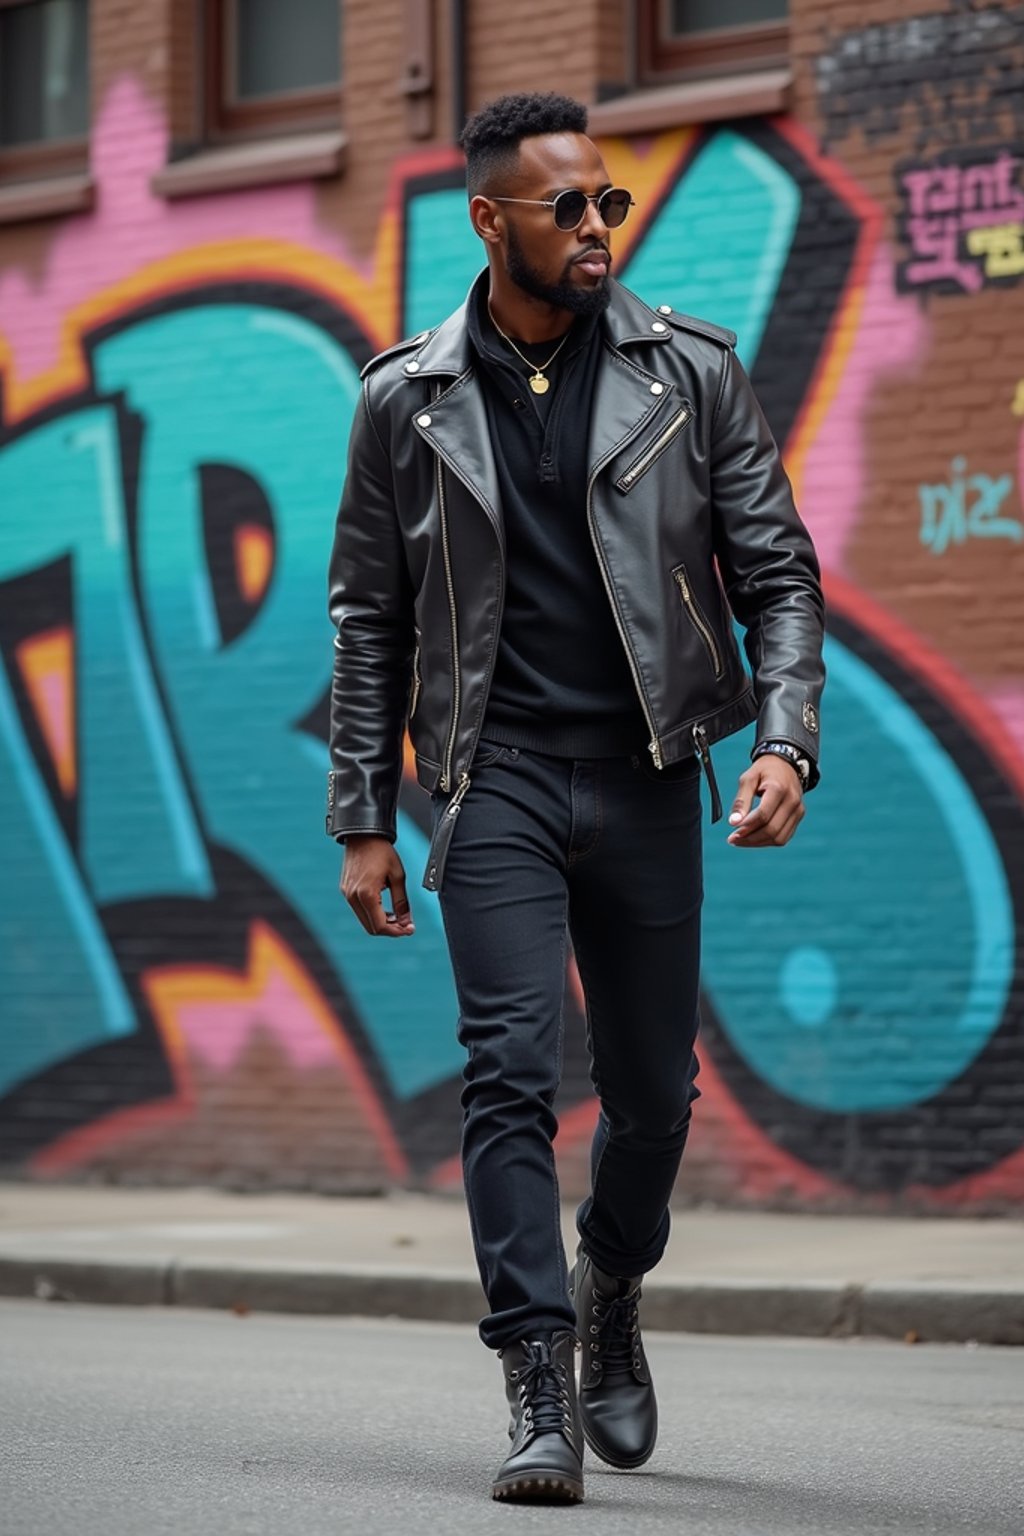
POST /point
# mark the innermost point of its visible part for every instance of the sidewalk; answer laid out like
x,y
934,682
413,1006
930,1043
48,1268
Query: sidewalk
x,y
409,1256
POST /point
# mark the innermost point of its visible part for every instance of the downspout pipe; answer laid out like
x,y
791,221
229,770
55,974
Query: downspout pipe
x,y
458,67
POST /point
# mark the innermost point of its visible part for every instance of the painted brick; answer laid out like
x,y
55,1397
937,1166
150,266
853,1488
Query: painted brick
x,y
187,998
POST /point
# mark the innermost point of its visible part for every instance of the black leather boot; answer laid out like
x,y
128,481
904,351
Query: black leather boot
x,y
546,1459
617,1403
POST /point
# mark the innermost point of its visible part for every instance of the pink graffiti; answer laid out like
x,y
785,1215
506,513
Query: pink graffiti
x,y
944,202
216,1012
53,699
891,336
130,227
1008,704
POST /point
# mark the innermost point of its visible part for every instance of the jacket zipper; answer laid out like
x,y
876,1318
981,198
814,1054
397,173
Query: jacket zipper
x,y
700,622
446,766
641,465
654,745
700,746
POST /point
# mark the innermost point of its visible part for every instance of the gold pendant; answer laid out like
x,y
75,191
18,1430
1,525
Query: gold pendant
x,y
539,384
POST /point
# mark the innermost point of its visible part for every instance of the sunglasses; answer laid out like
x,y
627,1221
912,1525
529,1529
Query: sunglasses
x,y
569,208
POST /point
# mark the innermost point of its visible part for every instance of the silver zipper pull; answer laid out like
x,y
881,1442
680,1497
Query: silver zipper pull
x,y
444,831
454,805
654,748
700,742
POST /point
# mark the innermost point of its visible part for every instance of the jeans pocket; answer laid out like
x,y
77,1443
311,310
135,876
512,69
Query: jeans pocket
x,y
488,752
681,772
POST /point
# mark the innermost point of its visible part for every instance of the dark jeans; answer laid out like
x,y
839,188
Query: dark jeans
x,y
609,849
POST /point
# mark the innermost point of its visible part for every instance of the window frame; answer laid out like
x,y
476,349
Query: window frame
x,y
704,55
228,120
45,158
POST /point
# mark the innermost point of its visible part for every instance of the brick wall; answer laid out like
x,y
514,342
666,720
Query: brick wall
x,y
182,994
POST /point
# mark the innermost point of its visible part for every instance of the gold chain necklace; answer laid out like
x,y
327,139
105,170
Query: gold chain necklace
x,y
537,382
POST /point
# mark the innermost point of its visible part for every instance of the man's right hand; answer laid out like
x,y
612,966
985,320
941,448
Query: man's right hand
x,y
372,866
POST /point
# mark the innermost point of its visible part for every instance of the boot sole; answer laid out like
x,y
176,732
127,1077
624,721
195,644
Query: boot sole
x,y
540,1488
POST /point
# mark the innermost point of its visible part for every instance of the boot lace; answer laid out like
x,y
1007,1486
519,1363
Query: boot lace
x,y
615,1331
543,1391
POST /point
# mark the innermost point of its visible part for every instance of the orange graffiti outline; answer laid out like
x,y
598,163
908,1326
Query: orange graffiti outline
x,y
254,560
246,260
371,297
843,330
53,650
167,989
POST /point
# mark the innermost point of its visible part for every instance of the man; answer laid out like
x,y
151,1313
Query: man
x,y
541,494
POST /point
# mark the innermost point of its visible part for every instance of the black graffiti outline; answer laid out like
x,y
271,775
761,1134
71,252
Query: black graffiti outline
x,y
889,1150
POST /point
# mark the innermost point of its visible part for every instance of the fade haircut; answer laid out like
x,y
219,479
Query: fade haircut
x,y
491,137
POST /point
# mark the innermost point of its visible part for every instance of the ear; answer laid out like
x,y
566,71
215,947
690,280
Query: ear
x,y
485,217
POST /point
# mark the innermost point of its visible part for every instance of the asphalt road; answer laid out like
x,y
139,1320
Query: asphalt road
x,y
135,1422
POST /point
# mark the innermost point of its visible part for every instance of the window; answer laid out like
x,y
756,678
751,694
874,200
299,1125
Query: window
x,y
271,66
694,39
44,86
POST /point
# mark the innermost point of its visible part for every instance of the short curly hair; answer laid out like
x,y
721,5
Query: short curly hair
x,y
491,137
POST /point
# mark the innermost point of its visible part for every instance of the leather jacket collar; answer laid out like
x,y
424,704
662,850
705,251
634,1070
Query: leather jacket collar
x,y
449,353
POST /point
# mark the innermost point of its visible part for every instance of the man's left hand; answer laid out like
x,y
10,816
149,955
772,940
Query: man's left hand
x,y
781,807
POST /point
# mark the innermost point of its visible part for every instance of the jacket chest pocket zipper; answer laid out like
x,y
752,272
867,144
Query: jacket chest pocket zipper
x,y
697,618
640,466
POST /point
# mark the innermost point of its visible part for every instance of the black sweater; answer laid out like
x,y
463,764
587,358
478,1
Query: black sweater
x,y
562,683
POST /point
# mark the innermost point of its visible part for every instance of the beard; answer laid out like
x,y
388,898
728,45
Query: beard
x,y
564,294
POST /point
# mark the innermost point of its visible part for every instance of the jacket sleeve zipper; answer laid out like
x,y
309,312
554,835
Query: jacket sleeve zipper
x,y
641,465
417,681
700,622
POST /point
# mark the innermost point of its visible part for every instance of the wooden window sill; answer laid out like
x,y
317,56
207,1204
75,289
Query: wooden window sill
x,y
47,197
759,93
256,163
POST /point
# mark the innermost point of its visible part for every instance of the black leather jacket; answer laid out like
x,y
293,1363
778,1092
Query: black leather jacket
x,y
684,476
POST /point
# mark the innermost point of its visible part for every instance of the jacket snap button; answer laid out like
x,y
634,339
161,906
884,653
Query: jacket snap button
x,y
664,309
412,367
659,326
657,389
423,421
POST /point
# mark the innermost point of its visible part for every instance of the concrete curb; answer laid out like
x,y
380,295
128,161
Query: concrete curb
x,y
984,1314
925,1311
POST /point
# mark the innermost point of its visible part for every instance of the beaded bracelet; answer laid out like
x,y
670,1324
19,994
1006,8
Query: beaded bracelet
x,y
789,752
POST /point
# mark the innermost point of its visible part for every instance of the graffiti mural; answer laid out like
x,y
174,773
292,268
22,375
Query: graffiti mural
x,y
896,74
966,506
963,223
182,993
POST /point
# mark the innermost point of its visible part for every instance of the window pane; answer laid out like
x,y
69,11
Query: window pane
x,y
286,45
44,71
708,15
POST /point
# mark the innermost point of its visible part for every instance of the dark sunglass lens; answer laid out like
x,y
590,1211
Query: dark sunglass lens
x,y
614,206
569,209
